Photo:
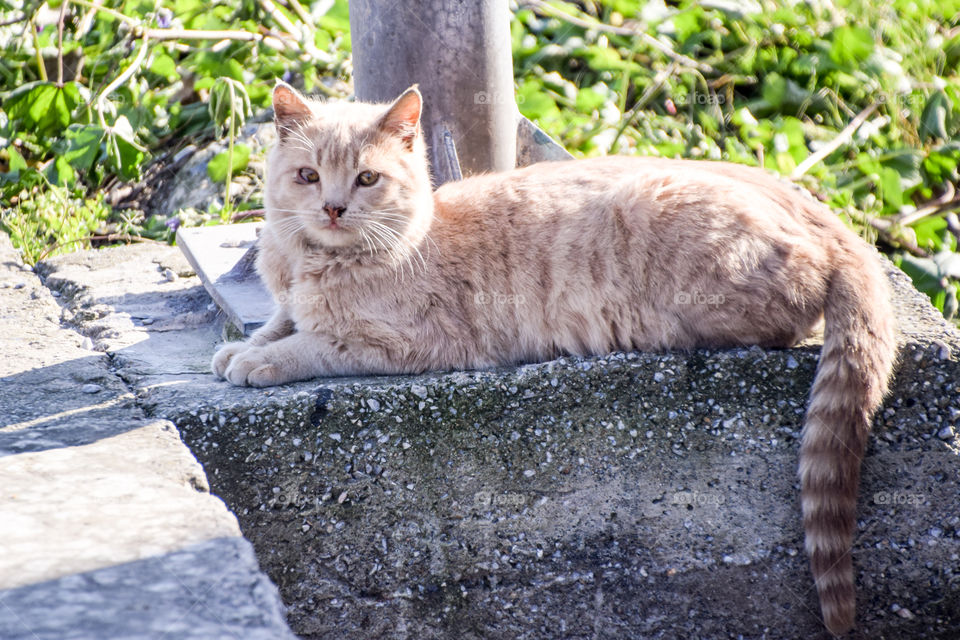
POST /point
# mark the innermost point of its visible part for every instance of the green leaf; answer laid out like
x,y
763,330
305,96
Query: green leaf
x,y
216,66
122,128
687,23
604,58
774,89
923,271
84,144
867,163
792,130
589,99
164,66
906,162
337,18
851,45
229,105
929,232
534,103
941,165
891,188
217,168
130,159
933,120
17,162
125,156
61,173
930,275
204,83
43,107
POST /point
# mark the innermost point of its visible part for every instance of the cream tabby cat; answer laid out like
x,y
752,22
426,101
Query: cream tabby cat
x,y
374,272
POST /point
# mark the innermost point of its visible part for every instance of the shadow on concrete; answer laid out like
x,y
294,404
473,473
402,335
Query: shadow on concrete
x,y
202,591
72,403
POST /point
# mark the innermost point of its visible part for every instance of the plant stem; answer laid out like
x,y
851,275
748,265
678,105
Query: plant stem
x,y
63,13
842,138
41,69
225,213
119,80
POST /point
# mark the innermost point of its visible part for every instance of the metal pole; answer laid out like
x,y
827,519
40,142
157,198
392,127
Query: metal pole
x,y
459,52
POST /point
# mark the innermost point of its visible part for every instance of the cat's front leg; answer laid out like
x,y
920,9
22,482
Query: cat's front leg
x,y
278,326
300,356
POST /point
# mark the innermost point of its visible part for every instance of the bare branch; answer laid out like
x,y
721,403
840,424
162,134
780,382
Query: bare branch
x,y
842,138
943,204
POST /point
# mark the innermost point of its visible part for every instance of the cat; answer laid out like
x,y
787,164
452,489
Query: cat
x,y
374,273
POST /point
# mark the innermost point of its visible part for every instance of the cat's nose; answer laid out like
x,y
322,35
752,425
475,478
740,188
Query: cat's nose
x,y
334,211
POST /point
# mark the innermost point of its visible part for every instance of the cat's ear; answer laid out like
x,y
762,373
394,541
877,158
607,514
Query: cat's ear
x,y
289,107
402,119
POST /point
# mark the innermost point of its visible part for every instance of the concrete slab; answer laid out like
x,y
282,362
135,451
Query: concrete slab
x,y
143,494
99,503
204,591
223,259
535,145
626,496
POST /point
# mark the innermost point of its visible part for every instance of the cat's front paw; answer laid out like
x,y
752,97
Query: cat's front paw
x,y
254,368
223,356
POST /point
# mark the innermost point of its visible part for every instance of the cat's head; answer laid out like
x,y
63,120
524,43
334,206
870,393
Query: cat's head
x,y
350,176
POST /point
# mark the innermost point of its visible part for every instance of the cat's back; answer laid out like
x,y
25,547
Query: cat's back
x,y
587,187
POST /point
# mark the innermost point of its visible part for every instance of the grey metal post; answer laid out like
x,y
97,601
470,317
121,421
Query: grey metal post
x,y
458,51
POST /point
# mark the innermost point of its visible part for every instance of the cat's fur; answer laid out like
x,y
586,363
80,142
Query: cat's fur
x,y
581,257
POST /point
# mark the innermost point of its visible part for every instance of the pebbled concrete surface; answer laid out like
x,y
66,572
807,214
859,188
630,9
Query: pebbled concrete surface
x,y
204,591
628,496
101,505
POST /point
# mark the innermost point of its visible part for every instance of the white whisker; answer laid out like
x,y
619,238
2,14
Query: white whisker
x,y
393,239
366,238
402,257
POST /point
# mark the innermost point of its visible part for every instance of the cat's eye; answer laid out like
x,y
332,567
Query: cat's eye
x,y
367,178
308,175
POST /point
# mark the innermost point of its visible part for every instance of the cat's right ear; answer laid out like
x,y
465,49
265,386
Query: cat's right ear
x,y
402,119
289,107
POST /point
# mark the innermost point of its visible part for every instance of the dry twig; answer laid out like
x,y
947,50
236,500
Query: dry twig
x,y
842,138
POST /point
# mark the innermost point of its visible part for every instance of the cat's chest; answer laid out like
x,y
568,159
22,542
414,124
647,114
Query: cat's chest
x,y
337,308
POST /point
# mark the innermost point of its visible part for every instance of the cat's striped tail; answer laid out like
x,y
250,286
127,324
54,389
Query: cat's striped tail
x,y
855,364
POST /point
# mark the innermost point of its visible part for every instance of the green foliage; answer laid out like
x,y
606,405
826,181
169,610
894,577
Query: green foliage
x,y
766,84
229,106
54,221
42,107
760,83
121,92
221,166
